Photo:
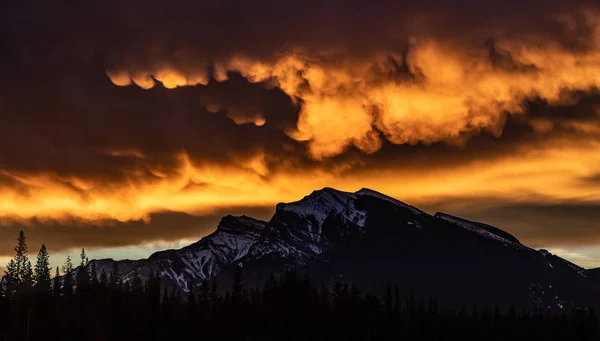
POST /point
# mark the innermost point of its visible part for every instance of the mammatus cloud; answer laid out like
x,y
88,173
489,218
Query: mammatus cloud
x,y
417,86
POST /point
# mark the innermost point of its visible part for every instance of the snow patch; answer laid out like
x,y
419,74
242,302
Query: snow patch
x,y
324,203
415,224
476,228
372,193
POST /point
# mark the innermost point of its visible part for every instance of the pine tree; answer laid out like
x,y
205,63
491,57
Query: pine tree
x,y
191,298
42,269
137,285
12,278
115,281
21,257
83,276
19,274
237,286
68,284
18,271
204,292
83,257
103,279
28,280
213,291
57,287
93,275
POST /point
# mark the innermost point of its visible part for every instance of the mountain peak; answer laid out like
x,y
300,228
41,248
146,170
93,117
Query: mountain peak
x,y
372,193
320,204
242,223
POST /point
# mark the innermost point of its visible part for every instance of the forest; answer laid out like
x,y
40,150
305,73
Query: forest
x,y
78,304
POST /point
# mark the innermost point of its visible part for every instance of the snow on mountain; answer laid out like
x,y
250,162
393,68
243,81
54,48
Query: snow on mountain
x,y
202,260
306,228
484,230
553,260
324,203
361,233
372,193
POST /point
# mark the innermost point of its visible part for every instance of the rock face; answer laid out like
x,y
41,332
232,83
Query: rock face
x,y
371,239
192,264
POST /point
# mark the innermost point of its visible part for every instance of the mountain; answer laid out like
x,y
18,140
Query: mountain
x,y
594,274
371,239
192,264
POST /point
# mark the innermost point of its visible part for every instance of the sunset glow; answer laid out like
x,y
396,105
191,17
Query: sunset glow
x,y
469,112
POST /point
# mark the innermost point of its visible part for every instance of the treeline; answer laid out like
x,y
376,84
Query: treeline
x,y
85,306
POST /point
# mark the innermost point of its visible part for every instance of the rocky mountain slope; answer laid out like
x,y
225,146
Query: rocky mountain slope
x,y
371,239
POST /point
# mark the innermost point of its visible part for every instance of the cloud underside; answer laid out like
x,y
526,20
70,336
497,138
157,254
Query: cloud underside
x,y
116,112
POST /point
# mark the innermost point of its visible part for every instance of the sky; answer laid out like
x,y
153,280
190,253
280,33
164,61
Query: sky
x,y
129,127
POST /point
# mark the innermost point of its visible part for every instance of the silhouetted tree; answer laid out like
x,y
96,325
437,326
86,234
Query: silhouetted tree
x,y
19,274
67,269
57,286
93,273
204,296
103,279
115,281
237,284
21,259
83,275
11,278
191,298
42,269
27,280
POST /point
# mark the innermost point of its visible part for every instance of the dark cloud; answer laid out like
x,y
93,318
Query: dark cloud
x,y
76,127
189,31
74,233
61,115
535,224
593,179
503,59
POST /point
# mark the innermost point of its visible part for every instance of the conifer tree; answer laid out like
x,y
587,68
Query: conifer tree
x,y
237,286
115,281
68,284
21,259
83,276
84,258
57,287
103,279
191,298
28,279
19,274
93,275
137,285
42,269
213,290
204,292
11,277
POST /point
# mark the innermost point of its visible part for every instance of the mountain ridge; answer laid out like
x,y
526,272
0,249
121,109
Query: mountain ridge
x,y
368,238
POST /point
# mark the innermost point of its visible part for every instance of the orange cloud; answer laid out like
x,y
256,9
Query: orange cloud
x,y
553,173
455,89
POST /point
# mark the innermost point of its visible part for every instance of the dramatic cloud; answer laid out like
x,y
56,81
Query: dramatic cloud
x,y
73,232
120,112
